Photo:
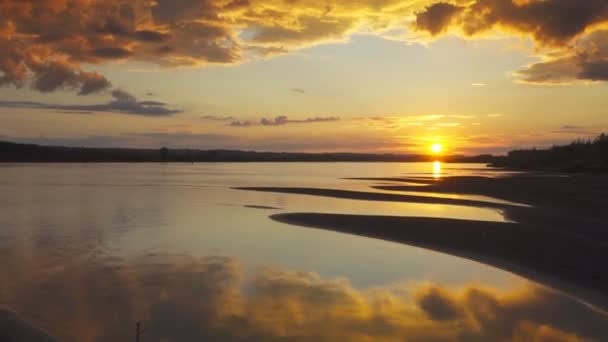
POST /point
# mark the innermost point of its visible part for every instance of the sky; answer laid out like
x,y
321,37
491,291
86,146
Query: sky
x,y
383,76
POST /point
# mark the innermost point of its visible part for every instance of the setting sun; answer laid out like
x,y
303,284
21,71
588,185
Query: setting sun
x,y
436,148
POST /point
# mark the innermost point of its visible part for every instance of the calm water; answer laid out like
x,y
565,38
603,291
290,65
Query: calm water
x,y
88,250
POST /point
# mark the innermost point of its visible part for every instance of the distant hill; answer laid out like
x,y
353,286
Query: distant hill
x,y
16,152
578,156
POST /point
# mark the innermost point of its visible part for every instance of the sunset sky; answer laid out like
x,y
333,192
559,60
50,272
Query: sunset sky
x,y
477,76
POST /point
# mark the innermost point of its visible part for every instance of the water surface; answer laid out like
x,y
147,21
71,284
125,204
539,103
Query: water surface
x,y
88,250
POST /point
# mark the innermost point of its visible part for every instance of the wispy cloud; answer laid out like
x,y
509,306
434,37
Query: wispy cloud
x,y
576,130
123,103
281,120
218,118
299,90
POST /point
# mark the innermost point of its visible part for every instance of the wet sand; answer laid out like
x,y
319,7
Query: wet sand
x,y
561,240
378,196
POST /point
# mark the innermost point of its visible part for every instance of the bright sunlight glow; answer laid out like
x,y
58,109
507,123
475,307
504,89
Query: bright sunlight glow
x,y
436,148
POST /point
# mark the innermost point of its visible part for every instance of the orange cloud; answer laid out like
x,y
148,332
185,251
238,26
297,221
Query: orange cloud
x,y
571,27
550,22
44,43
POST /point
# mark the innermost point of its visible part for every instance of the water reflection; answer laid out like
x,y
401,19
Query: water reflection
x,y
180,298
437,170
85,252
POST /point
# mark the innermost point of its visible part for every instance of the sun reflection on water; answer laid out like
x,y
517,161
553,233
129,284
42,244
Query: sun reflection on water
x,y
437,169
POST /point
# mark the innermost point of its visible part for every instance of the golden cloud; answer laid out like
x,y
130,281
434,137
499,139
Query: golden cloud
x,y
44,43
571,28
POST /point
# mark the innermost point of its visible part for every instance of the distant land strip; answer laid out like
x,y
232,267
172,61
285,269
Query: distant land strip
x,y
580,156
17,152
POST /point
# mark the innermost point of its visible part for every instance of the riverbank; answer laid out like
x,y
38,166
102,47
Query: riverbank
x,y
560,238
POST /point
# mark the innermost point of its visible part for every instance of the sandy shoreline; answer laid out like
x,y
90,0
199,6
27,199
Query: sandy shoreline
x,y
378,196
561,240
524,250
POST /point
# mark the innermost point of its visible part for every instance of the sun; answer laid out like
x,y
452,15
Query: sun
x,y
436,148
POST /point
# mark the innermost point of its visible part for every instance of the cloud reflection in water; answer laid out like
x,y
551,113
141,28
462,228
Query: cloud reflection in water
x,y
181,298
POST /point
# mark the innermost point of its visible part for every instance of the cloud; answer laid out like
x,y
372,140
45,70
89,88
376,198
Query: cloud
x,y
399,122
571,127
43,43
551,22
242,123
58,36
281,120
577,130
111,52
38,35
437,17
586,59
570,29
122,102
217,118
299,90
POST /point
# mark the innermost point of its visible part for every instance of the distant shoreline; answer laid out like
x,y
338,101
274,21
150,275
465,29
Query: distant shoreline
x,y
11,152
578,157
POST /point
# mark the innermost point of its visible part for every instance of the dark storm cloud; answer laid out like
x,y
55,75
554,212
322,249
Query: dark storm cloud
x,y
122,102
